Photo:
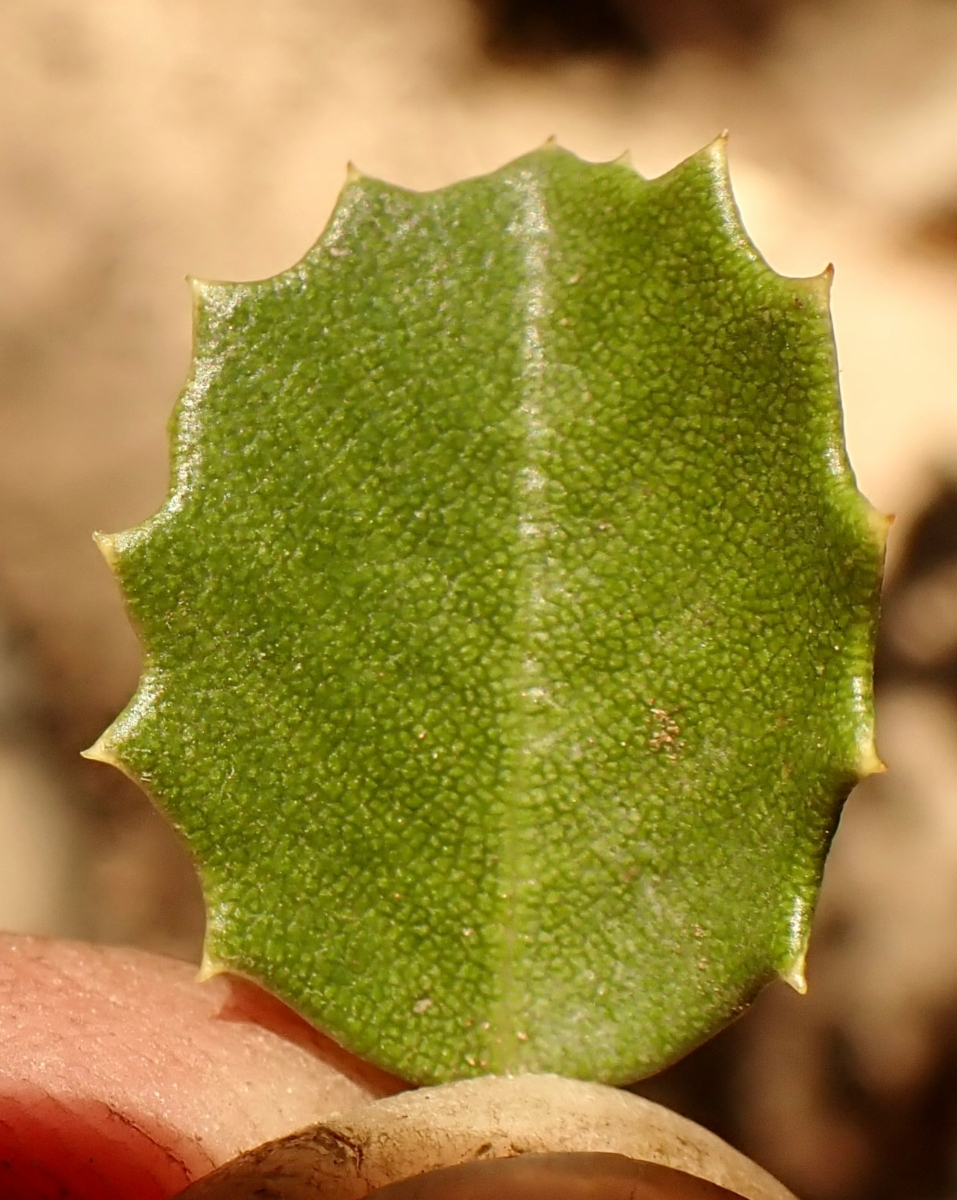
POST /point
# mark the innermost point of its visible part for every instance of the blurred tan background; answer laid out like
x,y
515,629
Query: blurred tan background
x,y
144,140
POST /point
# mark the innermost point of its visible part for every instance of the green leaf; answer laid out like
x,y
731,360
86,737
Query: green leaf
x,y
508,626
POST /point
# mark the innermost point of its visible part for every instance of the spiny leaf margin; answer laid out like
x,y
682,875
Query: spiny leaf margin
x,y
476,917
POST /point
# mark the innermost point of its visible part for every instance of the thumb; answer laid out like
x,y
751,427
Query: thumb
x,y
120,1075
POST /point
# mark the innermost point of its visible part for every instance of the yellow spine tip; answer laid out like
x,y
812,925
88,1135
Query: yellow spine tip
x,y
814,287
100,752
881,524
106,544
869,762
550,142
795,977
208,969
353,174
821,285
716,152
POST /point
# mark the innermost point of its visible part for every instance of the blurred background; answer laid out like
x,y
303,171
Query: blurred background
x,y
144,140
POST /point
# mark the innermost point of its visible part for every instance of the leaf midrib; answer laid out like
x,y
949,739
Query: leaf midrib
x,y
528,684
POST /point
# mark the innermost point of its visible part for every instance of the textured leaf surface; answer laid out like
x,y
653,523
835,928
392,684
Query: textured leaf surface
x,y
508,625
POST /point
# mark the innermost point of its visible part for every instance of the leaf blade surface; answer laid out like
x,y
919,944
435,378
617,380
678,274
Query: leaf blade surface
x,y
509,623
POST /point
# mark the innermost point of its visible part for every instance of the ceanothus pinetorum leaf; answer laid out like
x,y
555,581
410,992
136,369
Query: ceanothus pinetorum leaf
x,y
508,626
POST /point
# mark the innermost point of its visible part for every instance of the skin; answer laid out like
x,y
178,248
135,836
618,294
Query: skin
x,y
121,1075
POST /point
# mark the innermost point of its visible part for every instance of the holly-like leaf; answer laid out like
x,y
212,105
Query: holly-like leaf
x,y
508,626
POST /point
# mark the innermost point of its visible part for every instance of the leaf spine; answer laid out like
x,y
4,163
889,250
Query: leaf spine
x,y
106,544
716,153
100,752
880,524
821,285
869,762
794,975
209,968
